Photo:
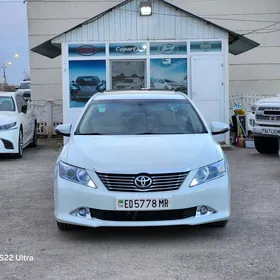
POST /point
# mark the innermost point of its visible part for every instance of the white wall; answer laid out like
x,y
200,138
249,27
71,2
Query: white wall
x,y
46,20
256,71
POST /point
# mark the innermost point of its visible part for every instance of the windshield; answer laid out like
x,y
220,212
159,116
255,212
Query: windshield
x,y
128,81
135,117
87,81
7,104
24,86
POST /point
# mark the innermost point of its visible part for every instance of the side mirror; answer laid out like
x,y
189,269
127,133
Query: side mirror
x,y
24,109
63,129
16,88
219,128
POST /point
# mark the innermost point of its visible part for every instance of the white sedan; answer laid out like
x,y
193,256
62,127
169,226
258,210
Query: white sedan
x,y
18,127
141,158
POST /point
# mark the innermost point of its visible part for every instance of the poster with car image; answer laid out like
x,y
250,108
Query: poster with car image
x,y
87,77
169,74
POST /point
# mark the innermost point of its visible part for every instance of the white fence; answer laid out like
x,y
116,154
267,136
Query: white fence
x,y
245,100
49,114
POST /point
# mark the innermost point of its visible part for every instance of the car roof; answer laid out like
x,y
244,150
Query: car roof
x,y
140,94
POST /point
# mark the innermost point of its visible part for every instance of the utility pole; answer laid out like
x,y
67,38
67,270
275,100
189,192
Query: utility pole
x,y
4,76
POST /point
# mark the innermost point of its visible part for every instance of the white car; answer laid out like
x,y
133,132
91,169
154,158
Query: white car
x,y
129,83
24,89
166,84
141,158
17,124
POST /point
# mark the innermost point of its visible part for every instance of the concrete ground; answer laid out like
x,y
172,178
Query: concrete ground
x,y
248,248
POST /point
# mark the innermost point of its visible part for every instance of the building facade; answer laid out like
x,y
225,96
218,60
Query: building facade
x,y
255,72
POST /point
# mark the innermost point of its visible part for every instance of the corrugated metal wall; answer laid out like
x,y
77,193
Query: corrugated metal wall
x,y
122,24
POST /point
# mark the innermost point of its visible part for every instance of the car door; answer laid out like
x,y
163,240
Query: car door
x,y
24,119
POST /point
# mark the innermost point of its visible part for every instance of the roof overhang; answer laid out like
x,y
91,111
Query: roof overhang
x,y
238,43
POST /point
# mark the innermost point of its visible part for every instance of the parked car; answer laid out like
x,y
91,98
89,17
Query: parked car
x,y
85,87
18,125
130,83
166,84
141,159
24,89
266,129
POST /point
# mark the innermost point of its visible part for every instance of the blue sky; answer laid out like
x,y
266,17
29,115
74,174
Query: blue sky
x,y
13,39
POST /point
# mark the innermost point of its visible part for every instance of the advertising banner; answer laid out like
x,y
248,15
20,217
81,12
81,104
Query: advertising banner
x,y
128,49
206,46
87,77
172,48
76,50
169,73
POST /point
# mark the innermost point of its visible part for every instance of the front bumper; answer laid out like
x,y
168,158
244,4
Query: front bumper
x,y
266,131
70,196
9,141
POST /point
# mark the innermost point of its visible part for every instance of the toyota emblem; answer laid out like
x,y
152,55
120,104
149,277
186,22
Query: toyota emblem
x,y
143,182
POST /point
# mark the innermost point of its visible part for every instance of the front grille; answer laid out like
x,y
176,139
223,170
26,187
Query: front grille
x,y
7,144
160,182
268,108
26,94
143,216
267,118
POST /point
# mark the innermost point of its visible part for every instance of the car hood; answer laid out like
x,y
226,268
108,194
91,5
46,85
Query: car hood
x,y
269,100
7,117
147,153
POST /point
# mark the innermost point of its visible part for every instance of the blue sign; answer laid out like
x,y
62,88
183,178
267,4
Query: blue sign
x,y
206,46
168,48
87,50
128,49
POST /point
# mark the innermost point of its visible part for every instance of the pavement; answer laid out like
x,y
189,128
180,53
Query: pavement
x,y
248,248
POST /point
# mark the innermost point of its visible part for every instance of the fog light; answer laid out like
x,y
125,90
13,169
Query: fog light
x,y
203,210
83,212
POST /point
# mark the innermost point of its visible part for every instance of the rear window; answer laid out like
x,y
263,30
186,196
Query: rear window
x,y
24,86
135,117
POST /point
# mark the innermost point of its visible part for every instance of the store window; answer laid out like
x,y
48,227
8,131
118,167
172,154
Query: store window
x,y
169,74
128,74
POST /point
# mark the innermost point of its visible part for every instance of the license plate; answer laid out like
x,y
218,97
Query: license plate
x,y
271,131
144,204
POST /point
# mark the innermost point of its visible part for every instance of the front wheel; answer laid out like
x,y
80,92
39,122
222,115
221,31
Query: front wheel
x,y
220,224
34,139
63,227
265,145
19,154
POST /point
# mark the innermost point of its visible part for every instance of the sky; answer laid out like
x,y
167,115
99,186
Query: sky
x,y
13,40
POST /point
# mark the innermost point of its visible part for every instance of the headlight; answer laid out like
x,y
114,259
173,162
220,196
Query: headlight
x,y
75,174
8,126
253,108
252,122
74,87
208,173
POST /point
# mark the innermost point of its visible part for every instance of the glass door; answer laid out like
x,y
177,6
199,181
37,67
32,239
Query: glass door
x,y
128,74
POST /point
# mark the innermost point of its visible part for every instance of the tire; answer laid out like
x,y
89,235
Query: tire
x,y
266,145
64,227
34,141
19,154
220,224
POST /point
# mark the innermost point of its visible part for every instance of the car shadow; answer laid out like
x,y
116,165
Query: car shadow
x,y
145,235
